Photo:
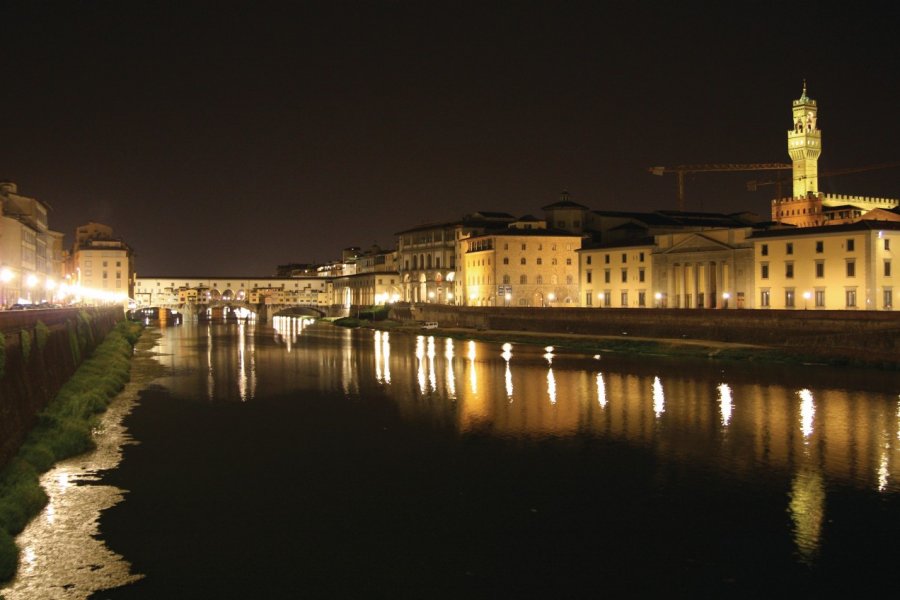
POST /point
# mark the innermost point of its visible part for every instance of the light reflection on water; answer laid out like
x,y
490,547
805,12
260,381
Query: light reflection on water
x,y
771,424
813,432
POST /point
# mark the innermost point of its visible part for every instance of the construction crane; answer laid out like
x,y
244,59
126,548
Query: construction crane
x,y
752,186
681,170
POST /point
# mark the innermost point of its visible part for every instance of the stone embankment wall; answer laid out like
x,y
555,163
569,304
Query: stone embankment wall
x,y
858,336
34,371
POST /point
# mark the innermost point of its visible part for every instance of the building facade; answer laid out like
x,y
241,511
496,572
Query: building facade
x,y
100,267
618,275
30,253
842,267
526,264
430,257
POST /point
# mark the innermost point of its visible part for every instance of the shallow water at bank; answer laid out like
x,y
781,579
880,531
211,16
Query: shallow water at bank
x,y
313,461
61,556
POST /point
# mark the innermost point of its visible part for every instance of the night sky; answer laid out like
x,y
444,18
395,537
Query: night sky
x,y
224,138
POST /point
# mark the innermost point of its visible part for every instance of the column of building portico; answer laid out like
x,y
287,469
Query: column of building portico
x,y
672,287
677,284
695,285
726,284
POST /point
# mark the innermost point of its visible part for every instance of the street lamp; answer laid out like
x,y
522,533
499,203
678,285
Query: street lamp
x,y
6,276
806,297
50,285
508,297
658,296
725,297
30,282
600,297
551,297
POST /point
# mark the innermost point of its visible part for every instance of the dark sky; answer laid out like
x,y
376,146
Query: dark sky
x,y
226,138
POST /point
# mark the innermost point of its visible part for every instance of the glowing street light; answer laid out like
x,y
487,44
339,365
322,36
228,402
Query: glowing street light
x,y
658,296
806,297
725,297
508,297
6,275
30,282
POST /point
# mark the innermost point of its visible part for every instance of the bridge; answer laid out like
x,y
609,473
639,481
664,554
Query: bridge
x,y
222,308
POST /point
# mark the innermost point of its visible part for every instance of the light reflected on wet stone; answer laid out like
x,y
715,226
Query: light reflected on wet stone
x,y
62,557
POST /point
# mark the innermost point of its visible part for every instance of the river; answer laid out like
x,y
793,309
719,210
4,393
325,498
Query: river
x,y
305,460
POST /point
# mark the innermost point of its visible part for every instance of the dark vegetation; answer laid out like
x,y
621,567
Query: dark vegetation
x,y
366,316
64,426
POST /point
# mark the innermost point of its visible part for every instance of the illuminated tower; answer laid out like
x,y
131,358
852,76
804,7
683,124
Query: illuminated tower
x,y
805,146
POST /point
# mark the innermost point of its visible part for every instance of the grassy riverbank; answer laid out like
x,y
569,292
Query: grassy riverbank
x,y
63,430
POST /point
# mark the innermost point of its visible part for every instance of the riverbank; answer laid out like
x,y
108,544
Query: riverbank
x,y
64,429
628,344
869,339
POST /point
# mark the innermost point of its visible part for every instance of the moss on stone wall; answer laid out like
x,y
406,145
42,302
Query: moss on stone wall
x,y
25,342
41,333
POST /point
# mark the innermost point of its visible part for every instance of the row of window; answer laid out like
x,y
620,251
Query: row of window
x,y
88,263
523,280
540,247
820,269
538,260
605,298
850,245
588,259
818,298
607,276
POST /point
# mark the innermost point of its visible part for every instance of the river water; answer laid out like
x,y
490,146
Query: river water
x,y
304,460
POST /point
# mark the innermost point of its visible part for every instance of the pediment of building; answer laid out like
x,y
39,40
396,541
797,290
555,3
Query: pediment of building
x,y
697,242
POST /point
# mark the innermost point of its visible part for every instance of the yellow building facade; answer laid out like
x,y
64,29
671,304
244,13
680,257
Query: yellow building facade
x,y
619,276
840,267
524,265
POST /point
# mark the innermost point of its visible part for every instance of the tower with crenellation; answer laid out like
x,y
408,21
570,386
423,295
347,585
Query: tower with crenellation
x,y
805,146
808,207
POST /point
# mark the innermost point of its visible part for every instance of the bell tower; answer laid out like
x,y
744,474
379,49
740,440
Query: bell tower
x,y
805,146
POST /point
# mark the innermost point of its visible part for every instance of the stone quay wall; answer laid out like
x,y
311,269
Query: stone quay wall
x,y
858,336
28,382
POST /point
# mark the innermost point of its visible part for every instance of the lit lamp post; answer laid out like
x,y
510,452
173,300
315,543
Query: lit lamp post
x,y
600,297
6,276
507,297
725,298
658,296
551,297
50,285
806,296
30,282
